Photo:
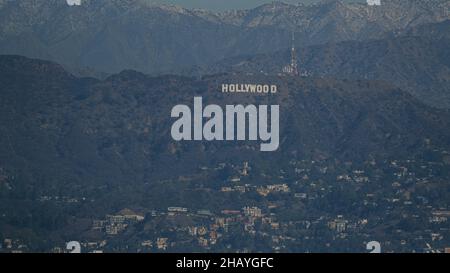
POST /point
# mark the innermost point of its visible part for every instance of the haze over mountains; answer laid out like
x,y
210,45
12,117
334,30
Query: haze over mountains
x,y
86,94
410,53
112,35
219,5
417,60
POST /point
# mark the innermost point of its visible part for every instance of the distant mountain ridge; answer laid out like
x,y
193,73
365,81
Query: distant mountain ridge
x,y
112,35
86,94
417,60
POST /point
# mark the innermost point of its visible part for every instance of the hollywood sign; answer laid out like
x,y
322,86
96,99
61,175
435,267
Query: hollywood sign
x,y
233,123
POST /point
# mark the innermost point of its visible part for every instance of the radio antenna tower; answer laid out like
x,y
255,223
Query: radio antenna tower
x,y
294,63
292,67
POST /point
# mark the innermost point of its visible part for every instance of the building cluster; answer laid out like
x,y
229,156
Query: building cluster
x,y
292,208
115,224
13,246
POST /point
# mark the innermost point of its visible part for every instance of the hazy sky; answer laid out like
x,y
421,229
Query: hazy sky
x,y
231,4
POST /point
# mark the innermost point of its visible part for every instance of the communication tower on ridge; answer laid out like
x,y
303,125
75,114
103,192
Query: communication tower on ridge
x,y
292,67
